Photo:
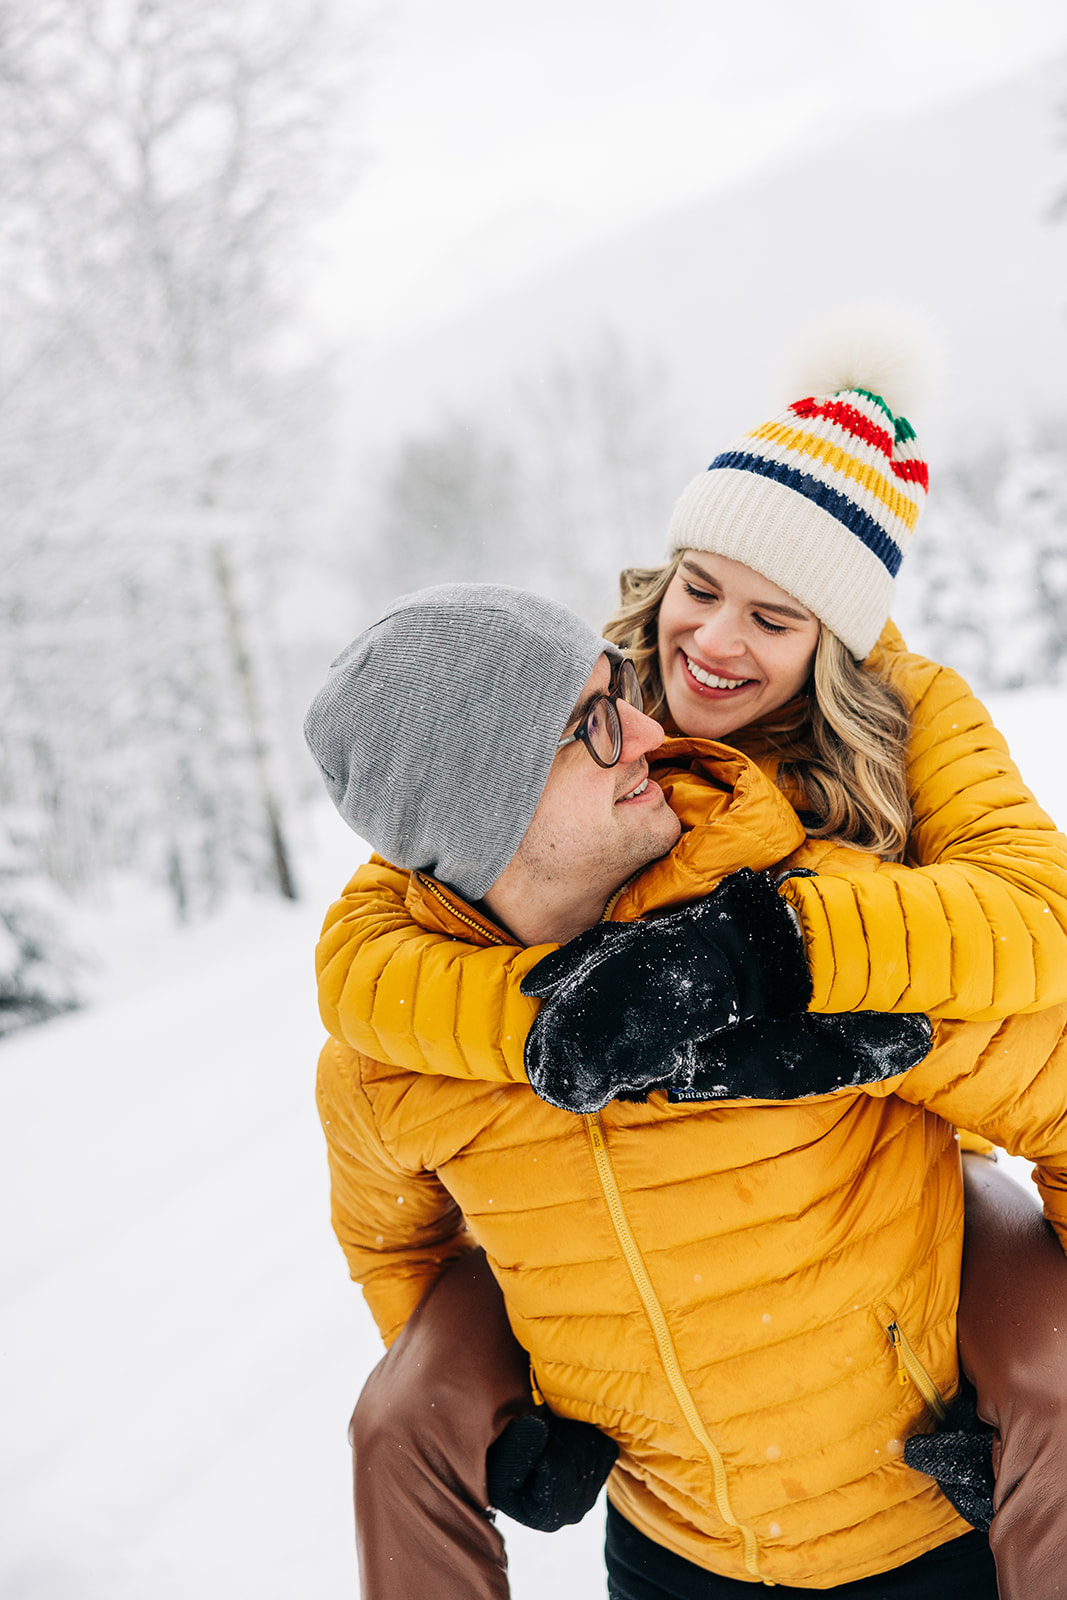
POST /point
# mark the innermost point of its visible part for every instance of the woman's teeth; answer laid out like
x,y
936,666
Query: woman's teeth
x,y
709,678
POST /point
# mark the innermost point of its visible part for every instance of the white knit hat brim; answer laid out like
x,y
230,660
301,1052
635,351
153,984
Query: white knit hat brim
x,y
793,542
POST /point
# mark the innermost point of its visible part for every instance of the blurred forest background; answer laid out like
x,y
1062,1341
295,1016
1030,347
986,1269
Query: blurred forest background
x,y
200,502
163,456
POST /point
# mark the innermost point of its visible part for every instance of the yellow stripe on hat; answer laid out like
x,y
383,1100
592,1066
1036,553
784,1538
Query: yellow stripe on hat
x,y
860,472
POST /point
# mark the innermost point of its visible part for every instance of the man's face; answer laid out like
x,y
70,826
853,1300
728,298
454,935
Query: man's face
x,y
594,826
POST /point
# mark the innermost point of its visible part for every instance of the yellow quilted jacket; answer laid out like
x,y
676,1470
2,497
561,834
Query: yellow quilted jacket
x,y
757,1301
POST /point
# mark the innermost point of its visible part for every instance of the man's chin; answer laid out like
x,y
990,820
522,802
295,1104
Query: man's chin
x,y
664,831
674,831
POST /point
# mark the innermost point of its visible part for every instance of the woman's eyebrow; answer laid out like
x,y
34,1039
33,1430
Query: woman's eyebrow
x,y
785,611
761,605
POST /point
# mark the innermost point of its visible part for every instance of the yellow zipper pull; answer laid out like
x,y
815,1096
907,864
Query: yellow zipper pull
x,y
910,1368
538,1397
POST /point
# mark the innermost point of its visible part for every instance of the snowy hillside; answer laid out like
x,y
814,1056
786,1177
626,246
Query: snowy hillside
x,y
181,1346
945,213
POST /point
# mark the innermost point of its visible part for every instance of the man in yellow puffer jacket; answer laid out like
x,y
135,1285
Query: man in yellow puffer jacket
x,y
757,1303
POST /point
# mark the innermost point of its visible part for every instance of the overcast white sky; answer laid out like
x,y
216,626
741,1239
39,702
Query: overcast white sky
x,y
503,135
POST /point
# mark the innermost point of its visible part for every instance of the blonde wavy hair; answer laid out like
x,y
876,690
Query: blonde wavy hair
x,y
844,748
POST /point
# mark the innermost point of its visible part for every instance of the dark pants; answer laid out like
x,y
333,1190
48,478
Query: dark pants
x,y
639,1569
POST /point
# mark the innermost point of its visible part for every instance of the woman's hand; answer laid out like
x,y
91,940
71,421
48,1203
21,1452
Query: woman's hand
x,y
625,1003
794,1058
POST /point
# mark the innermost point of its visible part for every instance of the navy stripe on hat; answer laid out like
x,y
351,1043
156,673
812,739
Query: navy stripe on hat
x,y
846,511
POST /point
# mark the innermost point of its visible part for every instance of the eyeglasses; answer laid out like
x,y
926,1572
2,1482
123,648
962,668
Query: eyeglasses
x,y
600,730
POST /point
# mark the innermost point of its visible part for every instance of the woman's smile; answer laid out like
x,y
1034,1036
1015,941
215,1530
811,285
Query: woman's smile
x,y
711,680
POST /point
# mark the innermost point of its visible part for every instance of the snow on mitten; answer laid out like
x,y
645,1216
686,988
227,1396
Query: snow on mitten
x,y
793,1058
624,1001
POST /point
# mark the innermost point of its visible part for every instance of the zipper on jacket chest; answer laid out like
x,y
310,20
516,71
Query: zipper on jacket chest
x,y
672,1366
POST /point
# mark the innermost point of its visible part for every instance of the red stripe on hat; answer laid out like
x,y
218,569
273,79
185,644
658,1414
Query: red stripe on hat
x,y
850,419
913,471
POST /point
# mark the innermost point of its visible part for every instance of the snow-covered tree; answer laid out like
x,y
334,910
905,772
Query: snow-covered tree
x,y
1033,516
38,967
985,587
159,459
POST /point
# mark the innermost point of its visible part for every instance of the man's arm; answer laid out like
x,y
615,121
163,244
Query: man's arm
x,y
399,1230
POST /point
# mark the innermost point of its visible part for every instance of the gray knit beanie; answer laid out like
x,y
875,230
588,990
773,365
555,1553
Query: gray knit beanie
x,y
436,728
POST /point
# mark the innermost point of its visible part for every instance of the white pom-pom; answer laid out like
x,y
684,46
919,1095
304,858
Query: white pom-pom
x,y
894,353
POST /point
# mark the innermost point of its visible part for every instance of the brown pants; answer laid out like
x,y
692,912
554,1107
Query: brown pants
x,y
456,1376
1013,1346
428,1413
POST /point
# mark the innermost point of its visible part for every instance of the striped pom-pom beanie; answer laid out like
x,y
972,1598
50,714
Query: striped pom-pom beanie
x,y
822,500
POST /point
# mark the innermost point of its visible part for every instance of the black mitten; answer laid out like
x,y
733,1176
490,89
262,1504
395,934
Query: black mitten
x,y
623,1001
790,1058
960,1456
546,1471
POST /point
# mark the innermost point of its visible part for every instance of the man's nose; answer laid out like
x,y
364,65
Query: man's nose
x,y
640,734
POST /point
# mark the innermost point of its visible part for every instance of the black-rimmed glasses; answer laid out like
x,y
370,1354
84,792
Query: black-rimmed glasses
x,y
600,730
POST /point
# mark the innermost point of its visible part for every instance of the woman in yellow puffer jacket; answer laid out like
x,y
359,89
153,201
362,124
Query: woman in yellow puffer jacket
x,y
971,924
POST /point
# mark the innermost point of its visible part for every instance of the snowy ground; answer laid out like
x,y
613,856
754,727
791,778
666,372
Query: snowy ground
x,y
179,1343
180,1346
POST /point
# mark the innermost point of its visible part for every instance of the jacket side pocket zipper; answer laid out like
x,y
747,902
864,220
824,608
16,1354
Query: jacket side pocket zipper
x,y
911,1369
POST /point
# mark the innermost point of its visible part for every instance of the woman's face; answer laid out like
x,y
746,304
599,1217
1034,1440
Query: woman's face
x,y
732,645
